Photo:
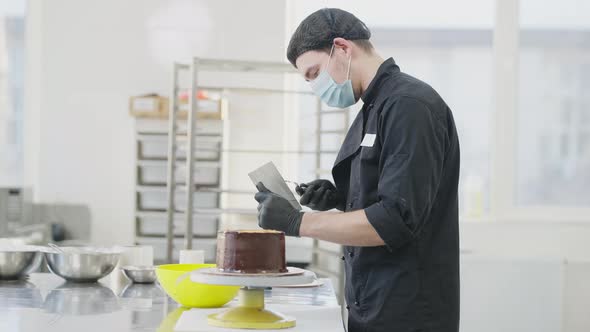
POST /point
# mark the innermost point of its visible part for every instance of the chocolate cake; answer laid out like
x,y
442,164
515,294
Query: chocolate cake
x,y
257,251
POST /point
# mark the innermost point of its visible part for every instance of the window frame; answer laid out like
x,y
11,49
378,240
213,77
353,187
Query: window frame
x,y
503,202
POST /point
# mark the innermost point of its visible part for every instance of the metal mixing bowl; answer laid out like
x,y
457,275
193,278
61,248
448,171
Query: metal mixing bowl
x,y
17,264
140,274
81,266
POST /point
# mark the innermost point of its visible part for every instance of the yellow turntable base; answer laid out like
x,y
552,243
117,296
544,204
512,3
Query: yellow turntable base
x,y
251,314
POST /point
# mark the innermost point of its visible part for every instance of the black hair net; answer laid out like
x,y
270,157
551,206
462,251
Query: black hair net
x,y
318,30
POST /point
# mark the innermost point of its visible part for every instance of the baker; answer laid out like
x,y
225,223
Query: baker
x,y
394,198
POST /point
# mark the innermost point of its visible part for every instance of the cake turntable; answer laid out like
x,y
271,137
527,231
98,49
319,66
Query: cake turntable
x,y
250,312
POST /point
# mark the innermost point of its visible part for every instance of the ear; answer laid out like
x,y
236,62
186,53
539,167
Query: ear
x,y
343,45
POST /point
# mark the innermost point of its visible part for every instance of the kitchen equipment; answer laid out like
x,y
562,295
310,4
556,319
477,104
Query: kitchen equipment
x,y
17,263
250,312
173,278
271,178
81,264
140,274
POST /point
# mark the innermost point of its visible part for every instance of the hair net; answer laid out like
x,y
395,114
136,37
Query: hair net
x,y
318,30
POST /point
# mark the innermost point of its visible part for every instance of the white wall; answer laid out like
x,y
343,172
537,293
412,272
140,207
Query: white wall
x,y
86,58
479,14
528,239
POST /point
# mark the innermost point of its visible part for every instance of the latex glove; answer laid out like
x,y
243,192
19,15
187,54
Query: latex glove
x,y
320,195
275,212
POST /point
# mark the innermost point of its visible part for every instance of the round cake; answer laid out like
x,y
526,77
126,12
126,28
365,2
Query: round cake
x,y
256,251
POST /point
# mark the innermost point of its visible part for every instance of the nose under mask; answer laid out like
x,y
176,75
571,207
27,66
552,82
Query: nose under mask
x,y
333,94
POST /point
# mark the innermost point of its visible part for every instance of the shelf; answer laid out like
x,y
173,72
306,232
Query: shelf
x,y
203,211
326,112
177,236
327,252
200,188
164,163
240,66
338,131
252,90
210,138
155,214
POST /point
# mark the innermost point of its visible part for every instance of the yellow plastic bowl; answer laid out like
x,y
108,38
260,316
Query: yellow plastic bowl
x,y
191,294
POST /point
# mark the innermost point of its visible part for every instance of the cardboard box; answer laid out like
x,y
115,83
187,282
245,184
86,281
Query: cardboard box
x,y
206,109
155,106
151,106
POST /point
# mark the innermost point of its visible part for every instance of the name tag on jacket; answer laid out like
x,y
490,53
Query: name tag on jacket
x,y
368,140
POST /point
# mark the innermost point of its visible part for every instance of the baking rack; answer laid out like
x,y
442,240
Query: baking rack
x,y
321,252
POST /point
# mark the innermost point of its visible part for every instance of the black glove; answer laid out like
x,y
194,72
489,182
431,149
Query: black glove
x,y
275,212
320,195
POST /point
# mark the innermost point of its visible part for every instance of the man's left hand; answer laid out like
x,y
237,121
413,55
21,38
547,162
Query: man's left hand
x,y
275,212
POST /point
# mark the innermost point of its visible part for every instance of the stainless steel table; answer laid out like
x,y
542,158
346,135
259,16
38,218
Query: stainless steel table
x,y
45,302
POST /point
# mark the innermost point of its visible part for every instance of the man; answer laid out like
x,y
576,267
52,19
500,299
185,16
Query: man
x,y
395,176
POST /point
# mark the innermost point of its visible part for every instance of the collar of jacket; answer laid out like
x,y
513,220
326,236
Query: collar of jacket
x,y
387,68
355,133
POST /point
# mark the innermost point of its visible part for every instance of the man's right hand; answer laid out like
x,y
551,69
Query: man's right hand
x,y
320,195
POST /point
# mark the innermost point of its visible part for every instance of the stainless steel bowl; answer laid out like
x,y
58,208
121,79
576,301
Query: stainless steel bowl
x,y
81,266
18,264
140,274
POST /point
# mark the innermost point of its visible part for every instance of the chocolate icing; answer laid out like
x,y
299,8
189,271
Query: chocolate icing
x,y
251,251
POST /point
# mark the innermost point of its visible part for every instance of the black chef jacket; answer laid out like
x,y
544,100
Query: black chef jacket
x,y
400,163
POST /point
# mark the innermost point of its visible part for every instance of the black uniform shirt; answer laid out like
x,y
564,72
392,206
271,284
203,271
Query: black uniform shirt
x,y
400,163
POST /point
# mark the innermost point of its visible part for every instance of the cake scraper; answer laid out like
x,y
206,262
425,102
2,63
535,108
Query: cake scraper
x,y
272,179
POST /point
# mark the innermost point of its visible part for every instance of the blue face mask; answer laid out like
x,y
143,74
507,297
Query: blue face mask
x,y
333,94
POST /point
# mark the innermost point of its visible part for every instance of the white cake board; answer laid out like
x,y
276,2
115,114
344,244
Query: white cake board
x,y
213,277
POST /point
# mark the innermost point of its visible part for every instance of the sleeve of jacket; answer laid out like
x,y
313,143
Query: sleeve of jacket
x,y
412,154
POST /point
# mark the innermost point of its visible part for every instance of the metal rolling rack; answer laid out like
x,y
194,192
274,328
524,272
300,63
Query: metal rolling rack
x,y
318,250
214,65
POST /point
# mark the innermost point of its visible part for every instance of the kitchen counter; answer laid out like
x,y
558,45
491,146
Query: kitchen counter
x,y
45,302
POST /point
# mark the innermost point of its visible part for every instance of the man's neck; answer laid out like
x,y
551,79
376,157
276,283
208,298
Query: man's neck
x,y
370,66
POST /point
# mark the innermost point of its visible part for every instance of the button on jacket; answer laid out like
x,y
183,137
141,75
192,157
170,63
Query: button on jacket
x,y
400,163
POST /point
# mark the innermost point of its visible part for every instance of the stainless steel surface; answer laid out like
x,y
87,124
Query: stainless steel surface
x,y
68,307
82,266
17,264
171,179
142,291
140,274
190,161
56,247
19,294
81,299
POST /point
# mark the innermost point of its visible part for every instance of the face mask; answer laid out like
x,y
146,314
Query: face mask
x,y
332,93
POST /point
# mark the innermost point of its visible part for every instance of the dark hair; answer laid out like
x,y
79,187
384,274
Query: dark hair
x,y
318,30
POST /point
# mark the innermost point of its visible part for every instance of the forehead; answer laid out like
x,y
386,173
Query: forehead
x,y
310,59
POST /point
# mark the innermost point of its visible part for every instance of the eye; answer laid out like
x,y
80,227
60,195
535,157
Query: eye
x,y
315,74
